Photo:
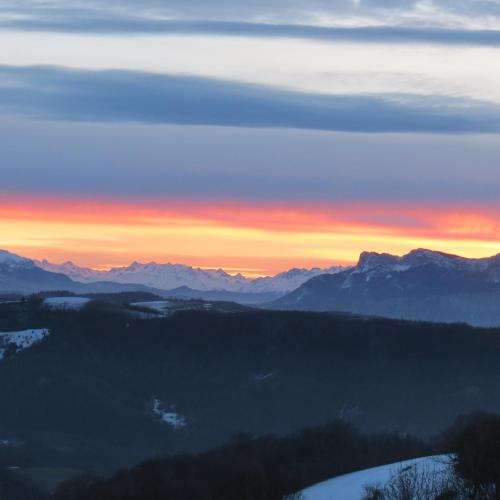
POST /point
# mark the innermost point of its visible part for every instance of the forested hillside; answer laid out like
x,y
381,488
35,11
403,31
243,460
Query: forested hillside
x,y
105,389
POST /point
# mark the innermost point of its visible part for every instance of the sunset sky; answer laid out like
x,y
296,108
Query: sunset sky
x,y
253,136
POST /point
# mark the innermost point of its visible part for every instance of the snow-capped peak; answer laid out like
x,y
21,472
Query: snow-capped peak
x,y
71,270
369,261
9,259
172,276
289,280
372,260
163,276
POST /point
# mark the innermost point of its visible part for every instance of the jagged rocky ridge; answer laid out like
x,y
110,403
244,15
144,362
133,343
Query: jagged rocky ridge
x,y
22,275
173,276
421,285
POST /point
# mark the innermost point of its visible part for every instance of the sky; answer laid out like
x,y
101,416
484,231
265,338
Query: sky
x,y
253,136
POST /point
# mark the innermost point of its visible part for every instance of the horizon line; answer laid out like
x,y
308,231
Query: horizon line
x,y
240,272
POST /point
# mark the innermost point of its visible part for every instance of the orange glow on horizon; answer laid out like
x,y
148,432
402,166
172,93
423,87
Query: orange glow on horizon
x,y
252,238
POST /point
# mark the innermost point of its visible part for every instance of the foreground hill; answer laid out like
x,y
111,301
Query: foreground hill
x,y
249,467
422,285
103,389
352,486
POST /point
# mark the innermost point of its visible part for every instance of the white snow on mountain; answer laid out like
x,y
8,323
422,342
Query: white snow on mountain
x,y
351,486
20,340
172,276
162,276
10,260
288,280
71,270
369,261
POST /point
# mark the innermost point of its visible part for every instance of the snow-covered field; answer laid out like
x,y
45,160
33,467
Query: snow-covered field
x,y
351,486
21,340
65,303
161,306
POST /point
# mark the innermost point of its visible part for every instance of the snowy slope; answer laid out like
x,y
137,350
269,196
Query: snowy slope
x,y
288,280
351,486
21,275
162,276
20,340
170,276
71,270
13,261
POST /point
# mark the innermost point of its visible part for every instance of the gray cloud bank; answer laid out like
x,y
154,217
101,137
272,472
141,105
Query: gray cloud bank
x,y
380,34
127,96
165,161
397,21
258,9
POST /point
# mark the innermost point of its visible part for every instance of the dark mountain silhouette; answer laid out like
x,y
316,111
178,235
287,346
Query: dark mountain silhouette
x,y
422,285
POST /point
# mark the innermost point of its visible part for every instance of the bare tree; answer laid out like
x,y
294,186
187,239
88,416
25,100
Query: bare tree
x,y
295,496
415,482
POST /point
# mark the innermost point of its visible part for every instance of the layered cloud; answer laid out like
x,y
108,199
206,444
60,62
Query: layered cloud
x,y
359,34
452,13
111,96
138,161
375,77
264,134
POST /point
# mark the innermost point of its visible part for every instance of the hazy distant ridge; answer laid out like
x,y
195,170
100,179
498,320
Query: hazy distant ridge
x,y
172,276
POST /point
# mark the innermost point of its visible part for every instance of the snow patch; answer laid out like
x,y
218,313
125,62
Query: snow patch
x,y
400,268
302,293
65,303
161,306
21,340
351,486
171,418
347,283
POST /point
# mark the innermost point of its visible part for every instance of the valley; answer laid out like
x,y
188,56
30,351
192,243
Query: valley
x,y
224,373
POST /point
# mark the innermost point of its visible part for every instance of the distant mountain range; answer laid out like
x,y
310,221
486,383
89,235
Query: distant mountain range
x,y
22,275
422,285
174,276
